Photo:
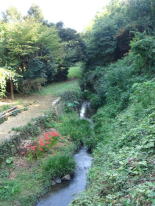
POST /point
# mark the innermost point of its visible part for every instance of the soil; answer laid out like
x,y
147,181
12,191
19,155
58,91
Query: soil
x,y
37,106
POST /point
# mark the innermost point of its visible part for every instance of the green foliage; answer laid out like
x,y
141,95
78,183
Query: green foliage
x,y
34,48
78,130
9,160
71,100
8,189
75,71
121,30
4,108
57,166
29,86
123,167
32,129
5,76
58,89
143,93
143,47
109,37
74,46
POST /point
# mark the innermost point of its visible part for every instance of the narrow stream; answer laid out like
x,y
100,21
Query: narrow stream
x,y
63,194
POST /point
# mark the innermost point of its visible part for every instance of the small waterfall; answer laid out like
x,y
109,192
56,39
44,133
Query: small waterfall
x,y
84,111
84,108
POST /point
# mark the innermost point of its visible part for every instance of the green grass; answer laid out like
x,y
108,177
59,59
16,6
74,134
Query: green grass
x,y
57,89
4,108
75,71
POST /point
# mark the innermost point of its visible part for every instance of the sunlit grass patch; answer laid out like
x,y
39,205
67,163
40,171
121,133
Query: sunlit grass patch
x,y
57,89
75,71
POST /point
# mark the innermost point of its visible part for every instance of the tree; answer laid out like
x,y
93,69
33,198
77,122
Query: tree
x,y
35,13
11,15
73,44
31,48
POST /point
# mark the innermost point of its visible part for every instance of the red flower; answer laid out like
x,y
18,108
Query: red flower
x,y
41,149
47,137
33,148
48,143
41,142
54,134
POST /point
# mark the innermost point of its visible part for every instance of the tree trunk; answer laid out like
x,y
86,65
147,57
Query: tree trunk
x,y
11,89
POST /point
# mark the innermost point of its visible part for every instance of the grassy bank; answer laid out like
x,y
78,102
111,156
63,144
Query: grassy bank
x,y
123,168
27,175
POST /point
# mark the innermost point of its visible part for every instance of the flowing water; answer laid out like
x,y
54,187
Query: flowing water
x,y
83,112
63,194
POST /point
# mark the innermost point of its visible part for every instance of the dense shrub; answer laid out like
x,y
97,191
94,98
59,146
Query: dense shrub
x,y
71,100
57,166
78,130
143,47
29,86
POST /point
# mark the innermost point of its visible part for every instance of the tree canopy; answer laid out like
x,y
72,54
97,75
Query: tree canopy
x,y
35,48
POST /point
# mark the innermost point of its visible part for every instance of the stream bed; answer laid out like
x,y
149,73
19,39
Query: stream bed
x,y
63,194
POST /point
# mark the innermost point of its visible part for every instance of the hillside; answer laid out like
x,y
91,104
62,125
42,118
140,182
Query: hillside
x,y
119,82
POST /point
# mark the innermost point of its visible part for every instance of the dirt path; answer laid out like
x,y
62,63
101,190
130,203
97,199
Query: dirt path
x,y
39,104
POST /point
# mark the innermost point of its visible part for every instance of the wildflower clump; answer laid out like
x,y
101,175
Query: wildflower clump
x,y
43,144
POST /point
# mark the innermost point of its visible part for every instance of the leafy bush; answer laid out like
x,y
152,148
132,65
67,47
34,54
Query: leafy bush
x,y
57,166
143,47
78,130
143,93
31,85
29,130
38,147
71,100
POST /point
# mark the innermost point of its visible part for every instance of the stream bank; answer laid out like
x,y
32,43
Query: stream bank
x,y
63,194
24,181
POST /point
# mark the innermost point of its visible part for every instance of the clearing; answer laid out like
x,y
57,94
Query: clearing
x,y
38,103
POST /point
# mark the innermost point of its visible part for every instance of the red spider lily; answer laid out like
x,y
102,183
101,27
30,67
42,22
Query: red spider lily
x,y
54,134
47,137
41,142
33,148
